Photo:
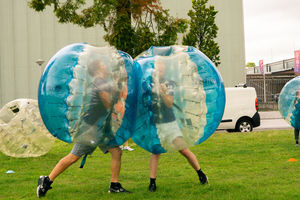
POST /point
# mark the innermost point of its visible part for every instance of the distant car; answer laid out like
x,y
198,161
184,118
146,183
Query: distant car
x,y
241,110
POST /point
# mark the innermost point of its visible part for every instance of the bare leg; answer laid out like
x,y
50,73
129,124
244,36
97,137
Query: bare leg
x,y
62,165
154,165
191,158
115,163
153,171
126,144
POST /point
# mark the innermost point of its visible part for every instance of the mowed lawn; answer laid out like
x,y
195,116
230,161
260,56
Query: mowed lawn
x,y
239,166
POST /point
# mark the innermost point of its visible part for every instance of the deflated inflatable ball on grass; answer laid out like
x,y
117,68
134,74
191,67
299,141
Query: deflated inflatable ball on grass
x,y
22,131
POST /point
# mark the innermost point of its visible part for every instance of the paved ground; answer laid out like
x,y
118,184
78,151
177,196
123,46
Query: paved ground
x,y
272,120
270,115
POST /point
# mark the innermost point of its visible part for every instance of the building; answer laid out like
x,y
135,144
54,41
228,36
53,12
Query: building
x,y
274,67
27,36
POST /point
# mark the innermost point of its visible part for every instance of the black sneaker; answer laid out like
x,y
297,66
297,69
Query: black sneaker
x,y
44,184
117,188
152,187
203,180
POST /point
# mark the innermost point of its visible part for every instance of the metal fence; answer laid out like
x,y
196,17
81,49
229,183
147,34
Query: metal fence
x,y
273,85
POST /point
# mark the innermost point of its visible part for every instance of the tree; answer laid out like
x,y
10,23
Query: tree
x,y
203,30
130,25
250,64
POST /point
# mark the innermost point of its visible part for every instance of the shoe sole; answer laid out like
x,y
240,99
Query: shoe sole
x,y
37,191
40,181
38,187
112,192
206,183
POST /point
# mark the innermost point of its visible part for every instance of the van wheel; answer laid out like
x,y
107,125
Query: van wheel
x,y
244,125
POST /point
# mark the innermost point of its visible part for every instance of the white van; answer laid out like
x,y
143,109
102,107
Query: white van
x,y
241,110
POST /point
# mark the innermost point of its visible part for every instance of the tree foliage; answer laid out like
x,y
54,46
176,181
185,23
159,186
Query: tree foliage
x,y
130,25
203,30
250,64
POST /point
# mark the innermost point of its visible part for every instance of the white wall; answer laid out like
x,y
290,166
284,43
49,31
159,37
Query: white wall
x,y
27,36
230,21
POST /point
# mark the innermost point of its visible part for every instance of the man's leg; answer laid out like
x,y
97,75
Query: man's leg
x,y
62,165
153,171
195,164
154,165
115,166
44,182
191,158
296,133
115,163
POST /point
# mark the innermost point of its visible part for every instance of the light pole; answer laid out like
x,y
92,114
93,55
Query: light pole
x,y
40,63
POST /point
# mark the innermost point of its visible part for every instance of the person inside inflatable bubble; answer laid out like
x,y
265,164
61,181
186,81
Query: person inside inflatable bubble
x,y
163,104
295,118
86,96
106,108
289,105
168,131
181,101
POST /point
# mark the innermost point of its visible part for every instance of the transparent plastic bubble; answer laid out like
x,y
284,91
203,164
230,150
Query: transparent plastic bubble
x,y
86,95
22,131
181,98
289,103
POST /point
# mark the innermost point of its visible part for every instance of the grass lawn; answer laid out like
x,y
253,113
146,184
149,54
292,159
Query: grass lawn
x,y
239,166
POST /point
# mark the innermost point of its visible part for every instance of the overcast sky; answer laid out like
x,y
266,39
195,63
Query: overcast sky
x,y
272,29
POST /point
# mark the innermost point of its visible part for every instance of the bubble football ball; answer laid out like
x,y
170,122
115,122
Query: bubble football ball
x,y
181,98
289,102
22,131
86,95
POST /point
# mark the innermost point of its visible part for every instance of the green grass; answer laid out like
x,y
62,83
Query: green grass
x,y
239,166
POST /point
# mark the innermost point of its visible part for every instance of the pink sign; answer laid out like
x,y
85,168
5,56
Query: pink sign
x,y
297,61
261,66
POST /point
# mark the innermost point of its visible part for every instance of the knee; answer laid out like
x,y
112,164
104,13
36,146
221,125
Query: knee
x,y
119,152
155,156
185,152
116,153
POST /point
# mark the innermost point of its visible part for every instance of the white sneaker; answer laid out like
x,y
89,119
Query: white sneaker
x,y
127,148
121,147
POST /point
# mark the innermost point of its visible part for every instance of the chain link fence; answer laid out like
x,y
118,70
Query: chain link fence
x,y
273,86
268,86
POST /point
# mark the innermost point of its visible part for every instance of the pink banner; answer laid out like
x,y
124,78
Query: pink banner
x,y
261,66
297,61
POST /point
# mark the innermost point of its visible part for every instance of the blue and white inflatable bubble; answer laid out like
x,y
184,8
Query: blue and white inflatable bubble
x,y
289,103
181,98
86,95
